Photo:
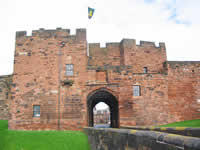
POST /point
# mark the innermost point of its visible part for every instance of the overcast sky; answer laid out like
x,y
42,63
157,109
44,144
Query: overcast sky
x,y
175,22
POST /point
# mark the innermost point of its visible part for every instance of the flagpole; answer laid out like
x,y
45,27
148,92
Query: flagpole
x,y
87,35
90,14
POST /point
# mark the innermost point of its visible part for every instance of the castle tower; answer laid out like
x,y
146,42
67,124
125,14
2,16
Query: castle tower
x,y
56,85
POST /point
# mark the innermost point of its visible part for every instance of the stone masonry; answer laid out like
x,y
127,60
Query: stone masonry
x,y
169,91
5,84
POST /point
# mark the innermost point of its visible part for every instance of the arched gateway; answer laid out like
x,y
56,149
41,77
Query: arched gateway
x,y
102,95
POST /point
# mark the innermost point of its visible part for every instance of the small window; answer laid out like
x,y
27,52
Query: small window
x,y
136,90
36,111
145,69
69,70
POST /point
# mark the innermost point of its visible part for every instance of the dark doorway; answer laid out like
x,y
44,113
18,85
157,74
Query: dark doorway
x,y
102,95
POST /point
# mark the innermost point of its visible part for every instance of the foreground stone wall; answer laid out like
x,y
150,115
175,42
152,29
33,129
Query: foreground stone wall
x,y
123,139
5,85
186,131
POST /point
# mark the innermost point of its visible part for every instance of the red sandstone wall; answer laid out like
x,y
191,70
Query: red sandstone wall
x,y
109,55
116,68
184,90
36,77
144,55
5,84
152,106
73,105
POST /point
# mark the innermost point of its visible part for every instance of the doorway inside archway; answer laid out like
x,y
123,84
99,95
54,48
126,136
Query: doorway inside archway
x,y
102,95
101,114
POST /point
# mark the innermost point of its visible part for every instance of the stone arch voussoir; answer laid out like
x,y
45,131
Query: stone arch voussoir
x,y
107,96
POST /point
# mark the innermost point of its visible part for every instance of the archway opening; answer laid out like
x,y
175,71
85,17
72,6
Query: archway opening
x,y
102,95
101,115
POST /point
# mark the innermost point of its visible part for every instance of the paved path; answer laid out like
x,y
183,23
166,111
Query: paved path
x,y
102,126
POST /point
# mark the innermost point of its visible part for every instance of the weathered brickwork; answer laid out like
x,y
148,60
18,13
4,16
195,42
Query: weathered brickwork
x,y
184,90
40,78
5,83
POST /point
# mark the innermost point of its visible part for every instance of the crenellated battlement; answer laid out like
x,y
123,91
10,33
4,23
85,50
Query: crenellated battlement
x,y
81,35
57,75
151,44
128,43
108,45
127,52
112,44
94,45
147,43
59,32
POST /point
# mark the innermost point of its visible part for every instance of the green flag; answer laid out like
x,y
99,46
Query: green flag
x,y
90,12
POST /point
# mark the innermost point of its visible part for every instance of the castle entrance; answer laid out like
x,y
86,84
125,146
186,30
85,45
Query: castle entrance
x,y
102,95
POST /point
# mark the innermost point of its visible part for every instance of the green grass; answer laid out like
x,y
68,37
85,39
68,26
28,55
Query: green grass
x,y
41,140
188,123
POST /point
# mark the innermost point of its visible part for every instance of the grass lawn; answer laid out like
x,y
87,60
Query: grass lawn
x,y
188,123
41,140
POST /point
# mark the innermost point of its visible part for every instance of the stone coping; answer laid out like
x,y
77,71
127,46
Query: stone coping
x,y
133,138
186,131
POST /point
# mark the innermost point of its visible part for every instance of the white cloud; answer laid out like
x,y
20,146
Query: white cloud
x,y
101,106
188,11
175,22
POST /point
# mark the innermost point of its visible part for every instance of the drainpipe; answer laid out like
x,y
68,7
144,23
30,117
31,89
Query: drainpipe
x,y
62,44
